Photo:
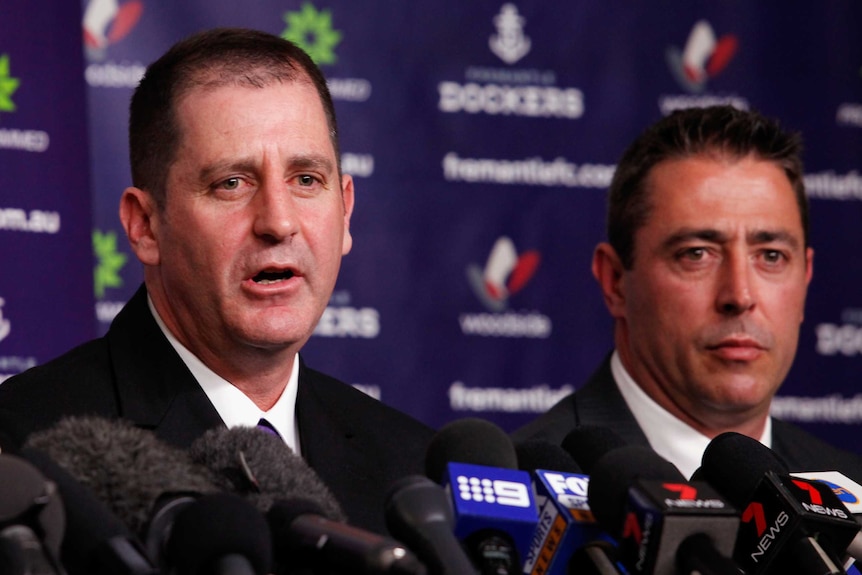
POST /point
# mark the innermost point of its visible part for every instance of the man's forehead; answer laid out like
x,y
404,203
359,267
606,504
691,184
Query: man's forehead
x,y
747,195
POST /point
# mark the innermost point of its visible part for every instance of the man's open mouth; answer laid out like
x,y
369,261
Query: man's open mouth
x,y
272,276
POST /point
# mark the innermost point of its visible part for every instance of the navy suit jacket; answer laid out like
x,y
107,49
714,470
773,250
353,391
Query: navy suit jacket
x,y
600,403
356,444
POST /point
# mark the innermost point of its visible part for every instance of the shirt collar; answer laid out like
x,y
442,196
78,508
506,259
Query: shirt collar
x,y
669,436
233,406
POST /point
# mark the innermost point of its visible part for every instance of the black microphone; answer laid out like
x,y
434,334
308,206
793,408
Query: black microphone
x,y
31,516
311,539
305,520
789,524
219,534
567,538
495,510
13,560
96,542
419,512
663,523
586,444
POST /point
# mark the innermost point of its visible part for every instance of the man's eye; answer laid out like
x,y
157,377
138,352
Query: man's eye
x,y
230,184
306,180
773,256
694,253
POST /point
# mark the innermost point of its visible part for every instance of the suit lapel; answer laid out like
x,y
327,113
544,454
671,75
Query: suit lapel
x,y
333,445
155,390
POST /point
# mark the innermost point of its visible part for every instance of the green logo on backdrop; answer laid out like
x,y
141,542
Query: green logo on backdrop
x,y
8,85
110,262
312,31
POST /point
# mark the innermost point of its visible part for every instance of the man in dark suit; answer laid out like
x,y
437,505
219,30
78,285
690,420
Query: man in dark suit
x,y
240,215
705,274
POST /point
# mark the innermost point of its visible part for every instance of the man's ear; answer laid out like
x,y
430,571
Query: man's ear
x,y
139,216
347,199
608,271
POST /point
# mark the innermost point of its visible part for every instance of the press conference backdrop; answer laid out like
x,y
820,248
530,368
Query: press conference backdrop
x,y
481,136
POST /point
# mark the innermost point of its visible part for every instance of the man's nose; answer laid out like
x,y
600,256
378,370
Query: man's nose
x,y
275,214
736,288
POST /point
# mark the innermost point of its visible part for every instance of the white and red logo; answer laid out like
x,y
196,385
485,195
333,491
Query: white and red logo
x,y
505,273
702,58
106,22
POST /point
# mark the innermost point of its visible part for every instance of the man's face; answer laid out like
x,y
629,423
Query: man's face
x,y
710,311
255,222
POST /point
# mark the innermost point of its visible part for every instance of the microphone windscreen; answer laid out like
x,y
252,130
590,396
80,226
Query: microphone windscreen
x,y
734,464
539,454
469,440
262,468
586,444
127,468
28,497
90,524
615,472
217,526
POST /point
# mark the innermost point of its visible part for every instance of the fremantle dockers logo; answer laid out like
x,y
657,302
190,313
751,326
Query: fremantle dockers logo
x,y
510,43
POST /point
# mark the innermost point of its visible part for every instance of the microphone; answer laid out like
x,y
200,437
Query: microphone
x,y
306,522
32,521
310,538
96,542
663,523
495,509
13,561
127,468
260,467
788,523
567,537
419,512
219,534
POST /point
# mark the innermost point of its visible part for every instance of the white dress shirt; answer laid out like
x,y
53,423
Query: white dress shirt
x,y
232,405
670,437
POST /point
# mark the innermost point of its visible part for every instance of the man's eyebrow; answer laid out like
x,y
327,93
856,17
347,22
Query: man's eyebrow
x,y
246,165
711,235
773,236
689,234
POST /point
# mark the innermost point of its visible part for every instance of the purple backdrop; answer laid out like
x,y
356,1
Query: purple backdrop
x,y
482,137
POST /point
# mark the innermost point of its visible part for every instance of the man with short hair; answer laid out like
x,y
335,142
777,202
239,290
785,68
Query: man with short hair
x,y
240,215
705,274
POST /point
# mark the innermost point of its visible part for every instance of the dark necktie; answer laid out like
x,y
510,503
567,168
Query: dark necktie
x,y
267,427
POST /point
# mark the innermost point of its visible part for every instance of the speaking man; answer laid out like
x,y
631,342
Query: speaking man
x,y
240,215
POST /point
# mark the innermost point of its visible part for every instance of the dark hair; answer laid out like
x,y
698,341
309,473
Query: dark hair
x,y
218,57
722,131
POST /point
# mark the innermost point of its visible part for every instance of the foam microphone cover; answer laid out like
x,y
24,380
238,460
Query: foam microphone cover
x,y
735,464
586,444
615,472
262,468
96,542
539,454
469,440
220,533
127,468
